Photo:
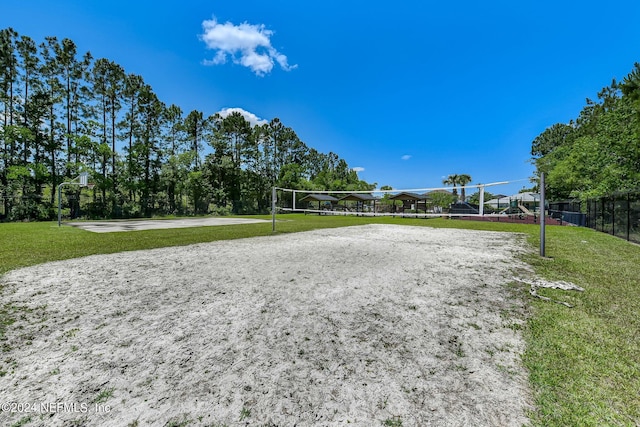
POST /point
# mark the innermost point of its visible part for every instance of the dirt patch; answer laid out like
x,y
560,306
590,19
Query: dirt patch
x,y
362,325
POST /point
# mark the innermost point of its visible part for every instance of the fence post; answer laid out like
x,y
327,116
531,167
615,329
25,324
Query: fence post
x,y
613,215
628,216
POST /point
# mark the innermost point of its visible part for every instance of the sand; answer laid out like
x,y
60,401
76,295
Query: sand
x,y
369,325
122,225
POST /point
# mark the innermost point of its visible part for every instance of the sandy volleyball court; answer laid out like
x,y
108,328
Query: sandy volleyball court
x,y
351,326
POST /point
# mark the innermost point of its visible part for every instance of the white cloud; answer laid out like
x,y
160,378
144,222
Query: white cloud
x,y
250,117
358,169
247,45
406,157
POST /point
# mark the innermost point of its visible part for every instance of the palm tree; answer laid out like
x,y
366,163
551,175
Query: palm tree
x,y
463,179
453,179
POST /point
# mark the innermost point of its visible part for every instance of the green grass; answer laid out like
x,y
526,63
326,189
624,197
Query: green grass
x,y
583,362
103,396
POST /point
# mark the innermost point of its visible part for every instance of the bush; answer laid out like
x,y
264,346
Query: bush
x,y
221,210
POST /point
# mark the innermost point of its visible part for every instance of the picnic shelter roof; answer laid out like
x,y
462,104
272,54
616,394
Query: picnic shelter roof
x,y
359,197
319,198
406,196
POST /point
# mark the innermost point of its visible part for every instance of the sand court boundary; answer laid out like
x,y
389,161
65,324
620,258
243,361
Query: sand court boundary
x,y
366,325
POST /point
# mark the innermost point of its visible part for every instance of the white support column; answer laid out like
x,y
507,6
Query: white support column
x,y
481,207
273,209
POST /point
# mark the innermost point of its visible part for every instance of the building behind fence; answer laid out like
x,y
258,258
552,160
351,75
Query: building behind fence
x,y
617,214
568,211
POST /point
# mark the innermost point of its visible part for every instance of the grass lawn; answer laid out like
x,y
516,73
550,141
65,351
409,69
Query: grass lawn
x,y
583,362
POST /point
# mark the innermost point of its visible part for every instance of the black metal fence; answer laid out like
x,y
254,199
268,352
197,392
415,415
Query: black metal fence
x,y
568,211
618,214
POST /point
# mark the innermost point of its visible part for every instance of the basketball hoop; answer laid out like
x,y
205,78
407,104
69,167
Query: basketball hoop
x,y
81,180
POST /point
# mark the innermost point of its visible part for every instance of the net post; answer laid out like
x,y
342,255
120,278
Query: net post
x,y
294,200
481,201
273,209
59,205
542,215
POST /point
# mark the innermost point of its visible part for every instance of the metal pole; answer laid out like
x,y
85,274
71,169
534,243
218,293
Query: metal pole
x,y
273,209
82,182
59,204
628,216
542,215
60,199
481,207
613,215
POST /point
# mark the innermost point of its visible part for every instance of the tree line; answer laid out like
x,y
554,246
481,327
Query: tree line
x,y
63,113
598,153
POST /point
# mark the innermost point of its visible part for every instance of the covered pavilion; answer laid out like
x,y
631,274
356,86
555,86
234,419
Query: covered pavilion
x,y
363,200
409,200
325,201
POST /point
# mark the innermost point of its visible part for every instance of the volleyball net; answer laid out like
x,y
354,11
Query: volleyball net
x,y
477,200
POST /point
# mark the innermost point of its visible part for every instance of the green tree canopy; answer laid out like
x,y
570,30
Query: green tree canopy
x,y
598,153
62,112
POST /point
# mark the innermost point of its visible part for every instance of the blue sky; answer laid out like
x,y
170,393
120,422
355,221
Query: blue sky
x,y
407,91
